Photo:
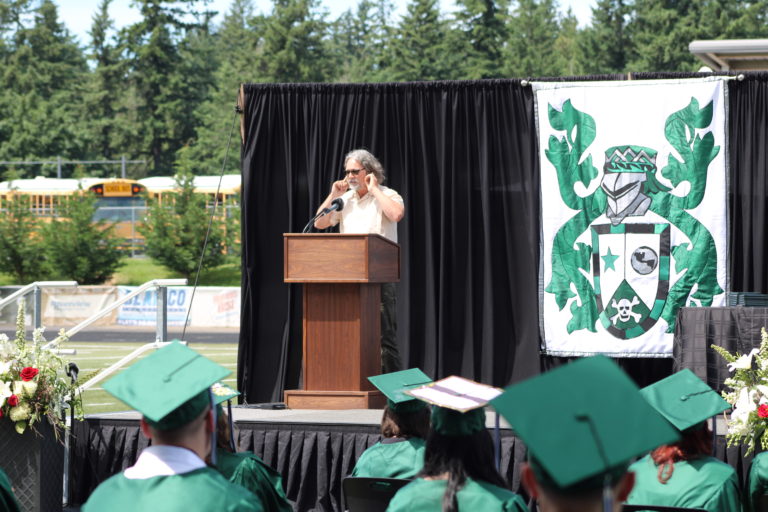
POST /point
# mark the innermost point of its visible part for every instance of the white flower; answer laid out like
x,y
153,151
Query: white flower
x,y
745,403
744,362
5,367
5,392
738,427
30,388
21,412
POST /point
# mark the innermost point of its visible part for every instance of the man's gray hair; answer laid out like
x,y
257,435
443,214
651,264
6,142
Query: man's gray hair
x,y
368,161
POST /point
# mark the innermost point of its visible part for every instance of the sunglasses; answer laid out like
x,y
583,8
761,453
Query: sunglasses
x,y
353,172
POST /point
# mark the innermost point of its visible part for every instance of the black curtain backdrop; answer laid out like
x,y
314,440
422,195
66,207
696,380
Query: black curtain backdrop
x,y
464,157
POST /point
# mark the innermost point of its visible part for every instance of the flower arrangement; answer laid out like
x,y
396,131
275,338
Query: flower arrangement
x,y
748,395
33,381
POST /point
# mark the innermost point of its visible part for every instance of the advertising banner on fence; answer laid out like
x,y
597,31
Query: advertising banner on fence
x,y
70,306
634,216
212,307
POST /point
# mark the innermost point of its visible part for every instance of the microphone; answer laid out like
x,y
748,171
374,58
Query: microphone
x,y
336,205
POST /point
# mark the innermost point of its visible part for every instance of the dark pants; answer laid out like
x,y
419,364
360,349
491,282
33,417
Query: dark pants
x,y
390,358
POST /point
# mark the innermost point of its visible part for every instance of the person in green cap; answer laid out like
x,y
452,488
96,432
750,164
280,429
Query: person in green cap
x,y
756,499
583,423
244,468
684,474
459,472
171,389
8,501
404,426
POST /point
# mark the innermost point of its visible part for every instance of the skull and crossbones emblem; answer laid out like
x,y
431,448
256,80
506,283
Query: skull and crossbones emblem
x,y
624,310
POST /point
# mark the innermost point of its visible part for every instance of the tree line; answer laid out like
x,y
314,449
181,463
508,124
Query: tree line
x,y
68,244
163,89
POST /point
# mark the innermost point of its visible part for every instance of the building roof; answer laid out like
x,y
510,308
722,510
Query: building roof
x,y
732,54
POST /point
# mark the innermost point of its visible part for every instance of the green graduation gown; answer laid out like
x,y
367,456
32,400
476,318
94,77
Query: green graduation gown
x,y
8,501
757,482
249,471
401,458
427,496
203,489
699,483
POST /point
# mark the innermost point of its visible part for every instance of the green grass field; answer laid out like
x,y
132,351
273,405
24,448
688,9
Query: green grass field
x,y
92,356
137,271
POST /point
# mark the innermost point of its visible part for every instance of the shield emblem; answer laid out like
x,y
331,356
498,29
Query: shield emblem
x,y
630,271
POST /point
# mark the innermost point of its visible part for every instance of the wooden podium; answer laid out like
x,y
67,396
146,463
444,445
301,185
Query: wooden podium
x,y
342,276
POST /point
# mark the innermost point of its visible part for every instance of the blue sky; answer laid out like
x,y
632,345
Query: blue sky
x,y
77,14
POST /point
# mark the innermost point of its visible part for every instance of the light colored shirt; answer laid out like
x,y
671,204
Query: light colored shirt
x,y
364,215
163,461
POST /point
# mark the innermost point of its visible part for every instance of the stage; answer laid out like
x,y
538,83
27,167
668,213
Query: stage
x,y
313,450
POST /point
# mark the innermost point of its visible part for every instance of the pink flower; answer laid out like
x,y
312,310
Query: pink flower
x,y
762,411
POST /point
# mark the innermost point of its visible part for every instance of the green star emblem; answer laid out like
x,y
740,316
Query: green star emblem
x,y
610,260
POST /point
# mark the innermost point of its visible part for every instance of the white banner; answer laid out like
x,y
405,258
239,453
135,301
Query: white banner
x,y
634,212
70,306
212,307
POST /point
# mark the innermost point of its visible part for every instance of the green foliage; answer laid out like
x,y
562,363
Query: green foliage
x,y
418,48
78,248
40,79
533,30
168,75
481,30
21,246
175,231
293,49
607,41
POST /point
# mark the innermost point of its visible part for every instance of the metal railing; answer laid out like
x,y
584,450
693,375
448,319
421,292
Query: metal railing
x,y
161,333
36,288
162,309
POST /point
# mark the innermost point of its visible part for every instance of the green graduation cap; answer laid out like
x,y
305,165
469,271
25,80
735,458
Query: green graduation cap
x,y
581,422
460,404
170,387
684,399
394,385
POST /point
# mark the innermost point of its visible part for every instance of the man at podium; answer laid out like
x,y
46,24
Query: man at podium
x,y
369,207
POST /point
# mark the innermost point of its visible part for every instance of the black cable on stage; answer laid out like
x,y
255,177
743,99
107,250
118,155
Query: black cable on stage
x,y
210,220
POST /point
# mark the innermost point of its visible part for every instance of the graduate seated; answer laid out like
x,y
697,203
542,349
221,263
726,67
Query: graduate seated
x,y
583,423
756,499
8,502
171,389
244,468
459,472
684,474
404,427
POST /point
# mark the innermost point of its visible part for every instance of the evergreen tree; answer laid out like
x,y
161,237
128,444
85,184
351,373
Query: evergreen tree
x,y
102,101
569,58
165,90
79,248
482,28
533,30
236,47
661,31
418,50
359,42
606,43
21,245
175,230
40,82
294,49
